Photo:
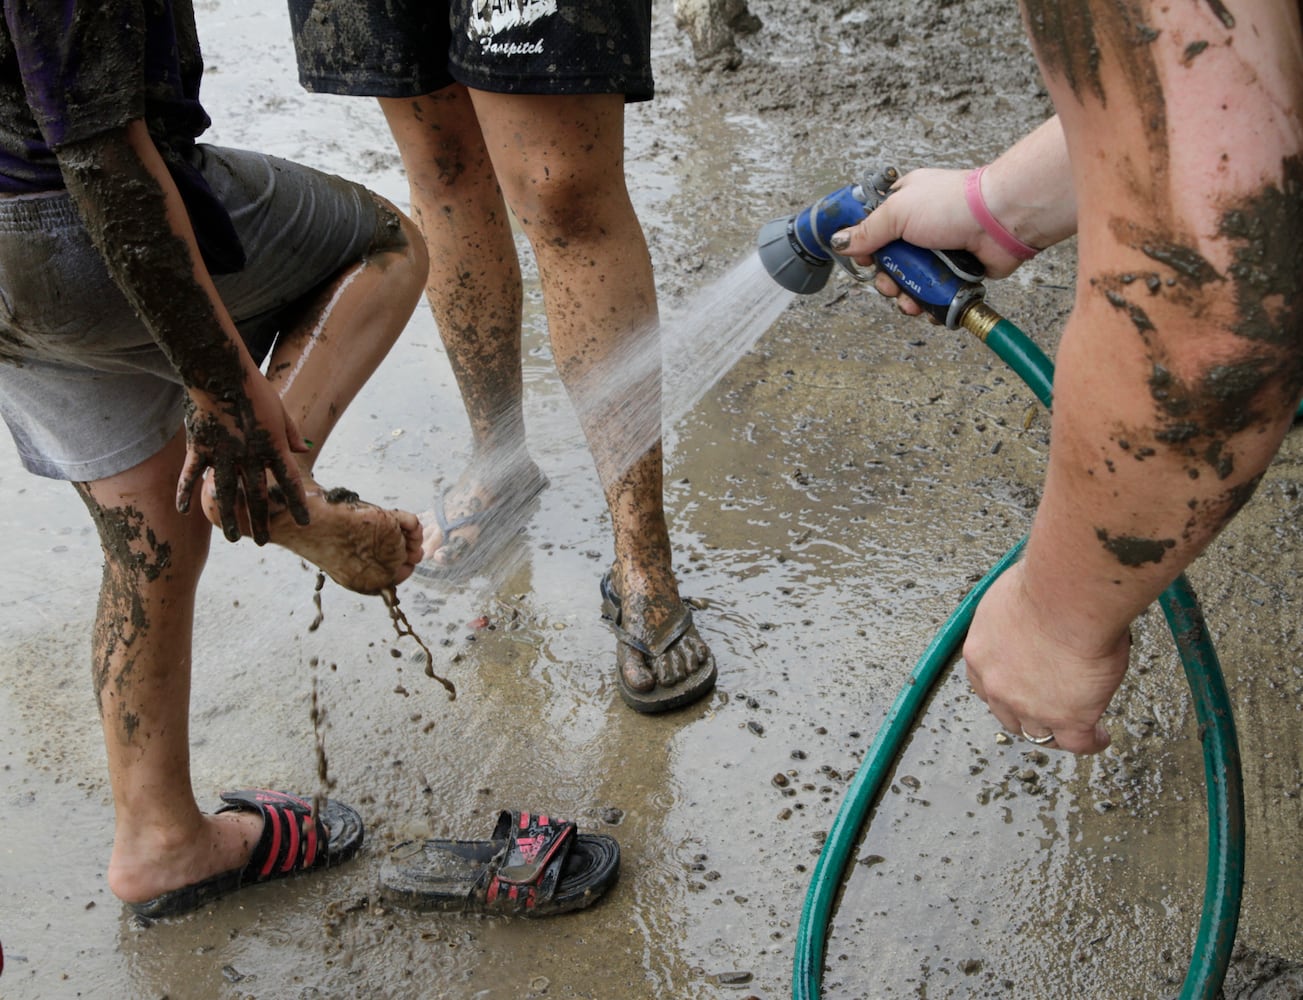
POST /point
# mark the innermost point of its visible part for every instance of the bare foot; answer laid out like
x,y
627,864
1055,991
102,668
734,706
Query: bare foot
x,y
357,544
483,500
149,863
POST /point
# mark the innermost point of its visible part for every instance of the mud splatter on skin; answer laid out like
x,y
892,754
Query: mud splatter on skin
x,y
1210,516
449,153
1223,396
1266,268
390,236
480,325
1187,262
120,617
1198,416
1139,318
125,212
1221,13
340,494
1132,551
1074,38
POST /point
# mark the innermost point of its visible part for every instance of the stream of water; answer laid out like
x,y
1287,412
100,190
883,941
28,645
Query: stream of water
x,y
647,384
723,322
699,342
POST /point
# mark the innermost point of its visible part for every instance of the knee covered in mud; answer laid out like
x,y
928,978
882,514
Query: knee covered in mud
x,y
392,229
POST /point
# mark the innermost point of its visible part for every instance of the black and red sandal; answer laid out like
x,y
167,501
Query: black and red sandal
x,y
533,866
293,841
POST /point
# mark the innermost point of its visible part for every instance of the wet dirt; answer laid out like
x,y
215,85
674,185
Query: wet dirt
x,y
831,500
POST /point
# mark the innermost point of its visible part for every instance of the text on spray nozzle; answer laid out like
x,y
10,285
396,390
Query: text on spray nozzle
x,y
797,254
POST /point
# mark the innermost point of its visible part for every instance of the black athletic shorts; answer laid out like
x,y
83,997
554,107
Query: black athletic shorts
x,y
406,48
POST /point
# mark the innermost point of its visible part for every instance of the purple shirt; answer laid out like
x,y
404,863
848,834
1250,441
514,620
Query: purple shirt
x,y
72,69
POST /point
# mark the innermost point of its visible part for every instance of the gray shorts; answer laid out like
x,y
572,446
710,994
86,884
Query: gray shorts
x,y
407,48
84,389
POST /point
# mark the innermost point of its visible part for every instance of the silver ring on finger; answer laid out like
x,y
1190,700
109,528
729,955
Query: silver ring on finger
x,y
1040,741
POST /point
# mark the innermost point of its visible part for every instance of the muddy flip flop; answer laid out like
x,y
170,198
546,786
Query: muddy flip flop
x,y
500,523
695,686
285,848
532,866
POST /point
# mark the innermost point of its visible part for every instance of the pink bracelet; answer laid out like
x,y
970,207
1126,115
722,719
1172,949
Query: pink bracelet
x,y
977,205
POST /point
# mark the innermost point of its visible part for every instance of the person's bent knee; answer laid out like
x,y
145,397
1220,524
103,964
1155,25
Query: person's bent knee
x,y
397,234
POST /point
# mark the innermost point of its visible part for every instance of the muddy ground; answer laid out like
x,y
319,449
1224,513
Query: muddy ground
x,y
831,498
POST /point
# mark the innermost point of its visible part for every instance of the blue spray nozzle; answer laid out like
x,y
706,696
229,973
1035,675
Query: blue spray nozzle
x,y
795,250
797,254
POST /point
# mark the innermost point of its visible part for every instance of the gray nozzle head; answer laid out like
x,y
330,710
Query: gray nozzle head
x,y
786,264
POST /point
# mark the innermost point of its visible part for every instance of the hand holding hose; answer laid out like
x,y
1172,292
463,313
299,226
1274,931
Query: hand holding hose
x,y
927,209
1032,677
1003,214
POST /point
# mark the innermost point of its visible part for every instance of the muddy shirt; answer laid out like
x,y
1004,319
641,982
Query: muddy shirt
x,y
71,70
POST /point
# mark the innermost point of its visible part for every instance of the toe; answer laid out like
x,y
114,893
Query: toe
x,y
413,535
634,669
431,536
450,551
682,660
673,665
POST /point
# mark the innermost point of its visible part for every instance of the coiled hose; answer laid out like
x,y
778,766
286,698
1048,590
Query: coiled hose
x,y
1225,869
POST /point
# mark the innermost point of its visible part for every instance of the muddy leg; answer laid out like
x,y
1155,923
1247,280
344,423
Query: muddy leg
x,y
474,290
560,161
318,367
144,624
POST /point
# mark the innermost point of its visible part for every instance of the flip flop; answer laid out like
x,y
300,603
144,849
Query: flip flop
x,y
532,866
282,850
695,686
501,522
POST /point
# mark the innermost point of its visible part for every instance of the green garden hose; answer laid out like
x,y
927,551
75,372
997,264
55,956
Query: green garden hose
x,y
1225,869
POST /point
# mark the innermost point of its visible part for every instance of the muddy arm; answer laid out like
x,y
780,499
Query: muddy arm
x,y
1182,362
235,423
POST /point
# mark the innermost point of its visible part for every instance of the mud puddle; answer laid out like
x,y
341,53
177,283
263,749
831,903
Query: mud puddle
x,y
831,500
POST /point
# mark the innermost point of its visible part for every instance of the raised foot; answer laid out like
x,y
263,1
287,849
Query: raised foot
x,y
360,546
